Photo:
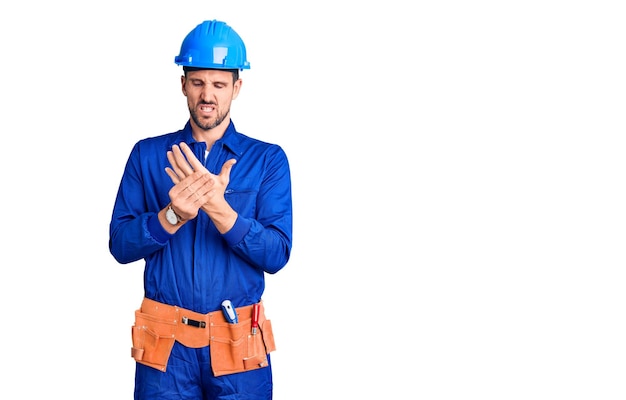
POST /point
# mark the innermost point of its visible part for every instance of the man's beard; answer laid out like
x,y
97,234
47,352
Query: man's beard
x,y
220,118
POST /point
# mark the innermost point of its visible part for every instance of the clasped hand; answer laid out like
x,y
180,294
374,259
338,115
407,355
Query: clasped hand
x,y
195,187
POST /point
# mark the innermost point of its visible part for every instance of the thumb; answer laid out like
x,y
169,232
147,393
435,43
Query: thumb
x,y
228,165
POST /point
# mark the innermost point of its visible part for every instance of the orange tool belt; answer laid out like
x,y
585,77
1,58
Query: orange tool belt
x,y
233,347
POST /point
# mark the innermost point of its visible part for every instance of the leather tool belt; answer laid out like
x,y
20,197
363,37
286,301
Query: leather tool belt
x,y
233,347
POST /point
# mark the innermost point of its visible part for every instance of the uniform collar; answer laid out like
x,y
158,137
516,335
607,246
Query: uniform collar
x,y
231,138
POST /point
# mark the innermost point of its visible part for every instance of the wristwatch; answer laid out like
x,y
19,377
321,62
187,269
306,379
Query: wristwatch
x,y
171,216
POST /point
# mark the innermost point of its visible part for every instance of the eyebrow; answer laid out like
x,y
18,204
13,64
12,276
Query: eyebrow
x,y
210,81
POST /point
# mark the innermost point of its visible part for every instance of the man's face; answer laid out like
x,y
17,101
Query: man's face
x,y
209,95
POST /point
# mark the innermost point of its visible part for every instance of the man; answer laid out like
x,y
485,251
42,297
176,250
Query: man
x,y
209,211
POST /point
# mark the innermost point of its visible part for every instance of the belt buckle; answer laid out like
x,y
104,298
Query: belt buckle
x,y
193,322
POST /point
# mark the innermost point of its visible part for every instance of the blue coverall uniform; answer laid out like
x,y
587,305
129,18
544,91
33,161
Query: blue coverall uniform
x,y
197,267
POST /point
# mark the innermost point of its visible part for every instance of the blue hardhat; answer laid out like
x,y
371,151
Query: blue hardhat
x,y
215,45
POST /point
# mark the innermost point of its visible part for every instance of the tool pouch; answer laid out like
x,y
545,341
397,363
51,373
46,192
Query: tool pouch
x,y
234,349
153,339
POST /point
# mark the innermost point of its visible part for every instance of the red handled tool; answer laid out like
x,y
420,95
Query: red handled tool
x,y
255,318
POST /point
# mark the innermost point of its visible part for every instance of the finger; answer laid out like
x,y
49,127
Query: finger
x,y
203,199
177,194
173,176
191,158
184,189
195,180
180,161
174,163
204,185
201,183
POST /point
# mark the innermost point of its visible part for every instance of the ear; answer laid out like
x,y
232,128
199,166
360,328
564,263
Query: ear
x,y
236,88
182,84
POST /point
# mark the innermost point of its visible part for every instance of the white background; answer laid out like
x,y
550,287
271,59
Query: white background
x,y
458,181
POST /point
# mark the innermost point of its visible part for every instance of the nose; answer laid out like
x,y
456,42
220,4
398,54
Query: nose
x,y
207,94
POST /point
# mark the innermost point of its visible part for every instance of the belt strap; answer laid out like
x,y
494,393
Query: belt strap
x,y
191,328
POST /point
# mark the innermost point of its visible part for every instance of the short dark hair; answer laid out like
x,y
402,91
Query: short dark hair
x,y
235,72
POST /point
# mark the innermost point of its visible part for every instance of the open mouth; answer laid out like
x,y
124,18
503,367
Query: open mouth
x,y
206,108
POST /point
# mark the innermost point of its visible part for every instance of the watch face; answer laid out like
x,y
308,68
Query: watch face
x,y
171,217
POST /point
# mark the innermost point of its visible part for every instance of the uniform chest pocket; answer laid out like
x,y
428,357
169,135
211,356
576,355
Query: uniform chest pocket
x,y
242,197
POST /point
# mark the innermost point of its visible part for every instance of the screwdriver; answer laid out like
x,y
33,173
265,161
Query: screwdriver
x,y
229,312
255,318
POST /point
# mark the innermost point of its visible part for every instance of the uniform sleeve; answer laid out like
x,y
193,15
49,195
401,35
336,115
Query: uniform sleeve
x,y
134,231
265,241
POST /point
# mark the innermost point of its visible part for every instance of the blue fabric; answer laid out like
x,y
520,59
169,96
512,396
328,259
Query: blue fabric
x,y
197,267
189,377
